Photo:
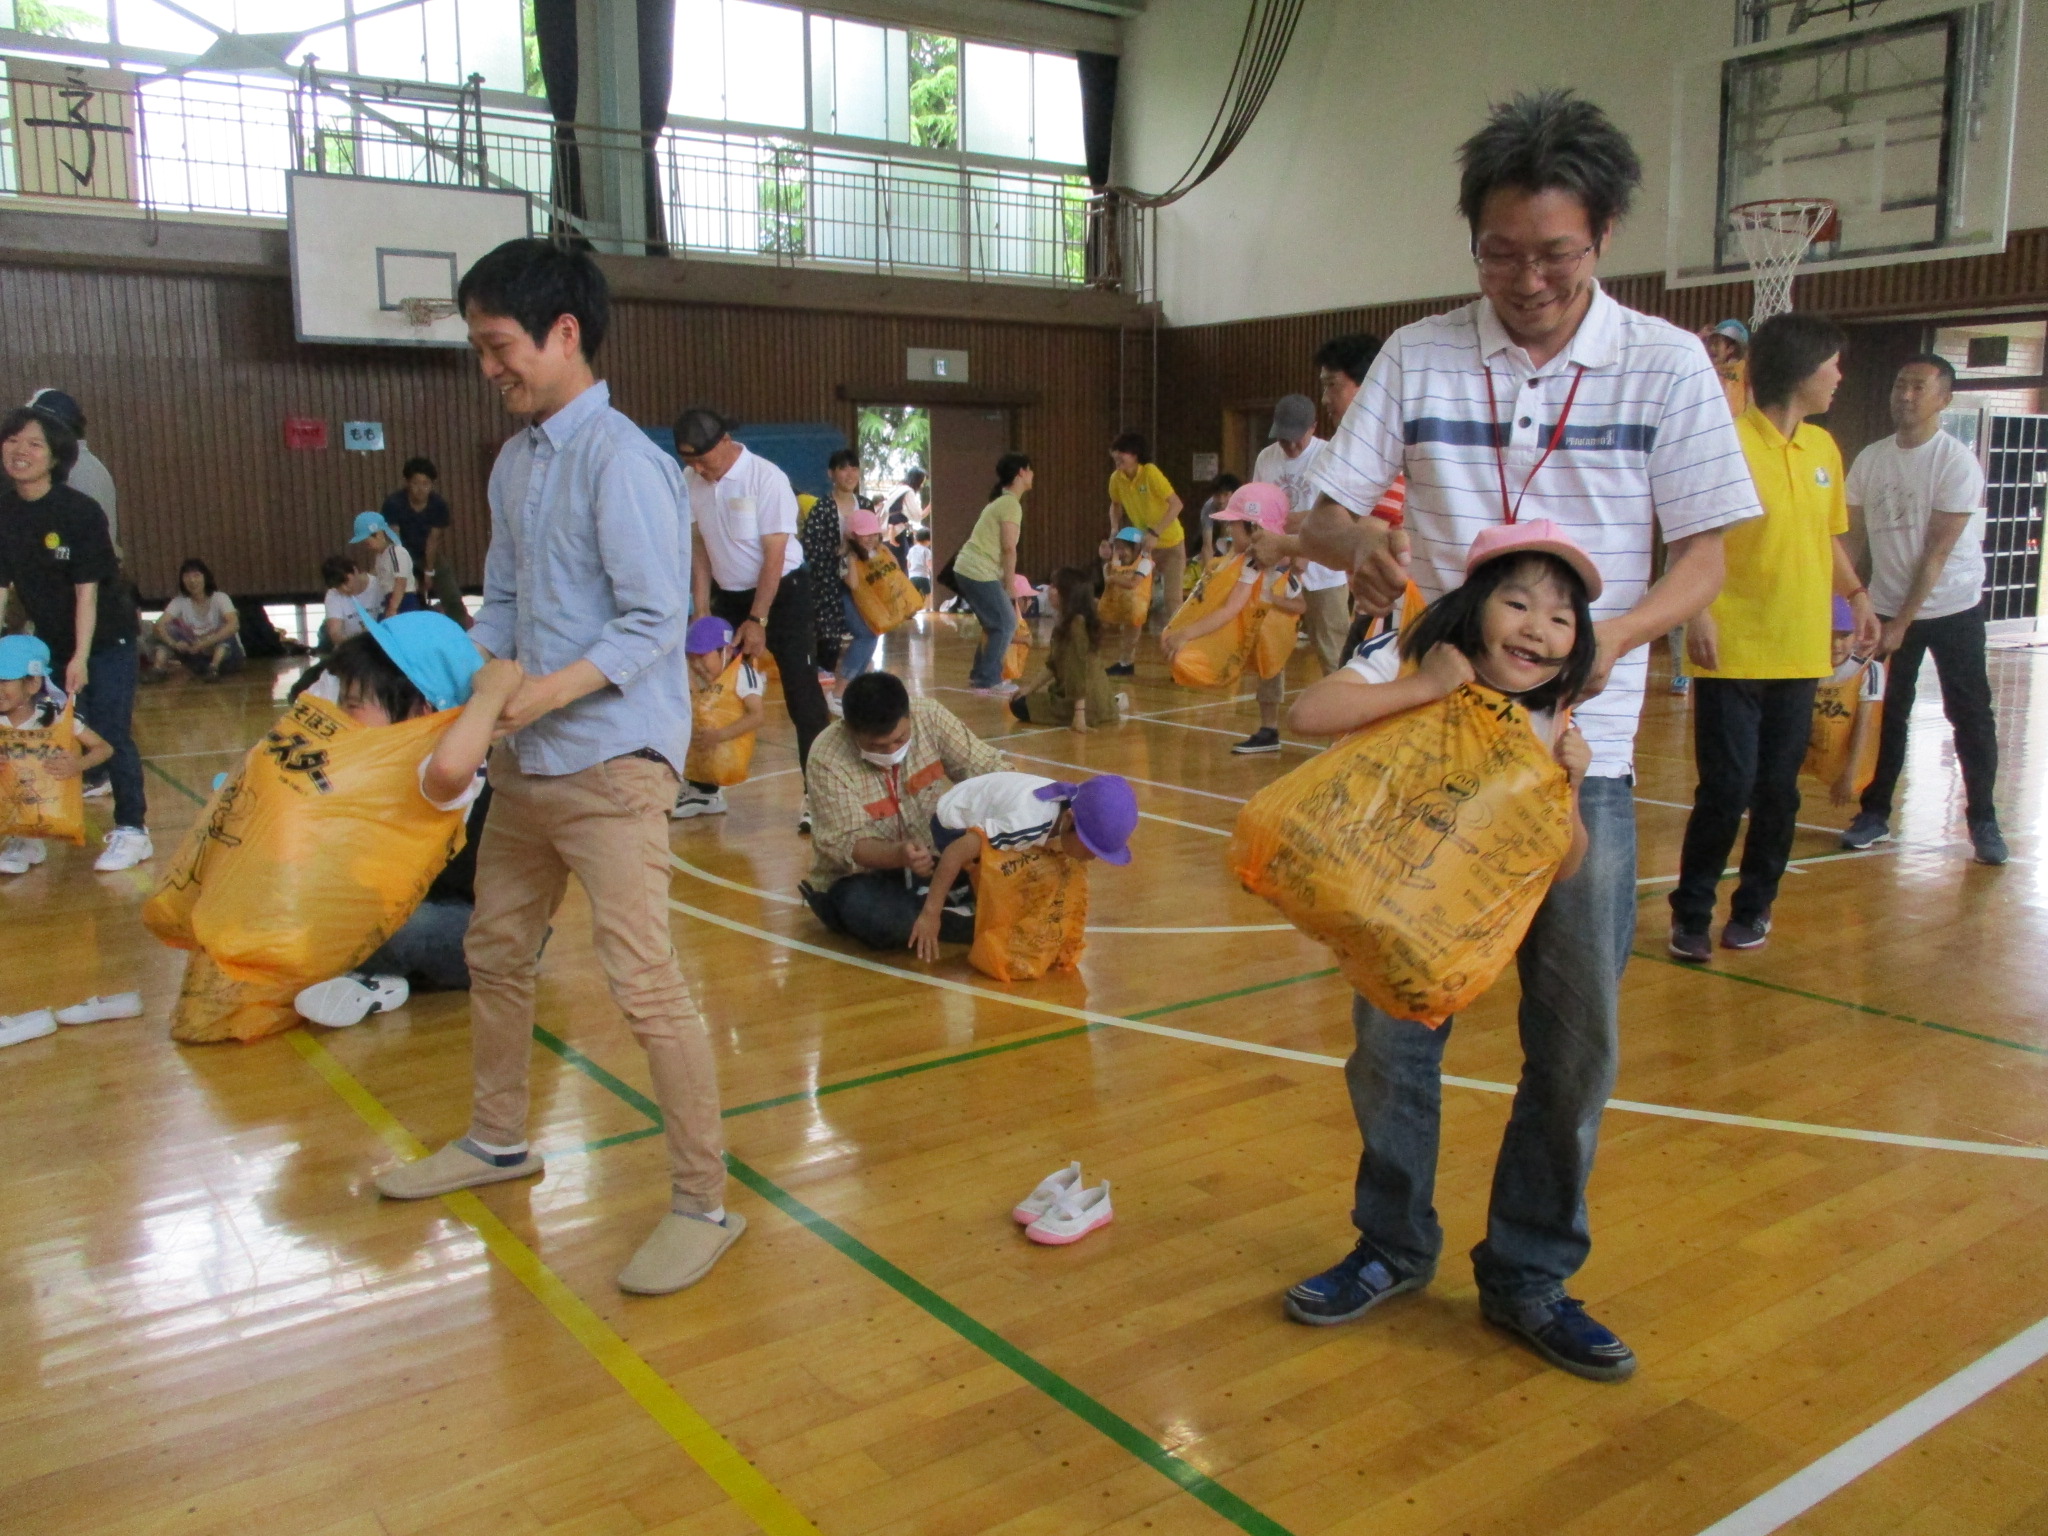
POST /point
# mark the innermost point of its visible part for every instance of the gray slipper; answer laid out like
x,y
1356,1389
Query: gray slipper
x,y
679,1252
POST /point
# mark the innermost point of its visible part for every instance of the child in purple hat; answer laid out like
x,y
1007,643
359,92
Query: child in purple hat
x,y
709,645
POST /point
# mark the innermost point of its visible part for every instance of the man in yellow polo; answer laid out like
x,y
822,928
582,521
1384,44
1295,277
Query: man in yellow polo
x,y
1758,653
1141,495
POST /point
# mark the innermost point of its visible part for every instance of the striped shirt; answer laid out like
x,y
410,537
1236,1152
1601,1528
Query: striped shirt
x,y
1648,445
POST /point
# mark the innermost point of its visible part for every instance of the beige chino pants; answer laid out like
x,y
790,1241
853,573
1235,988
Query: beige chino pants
x,y
1328,621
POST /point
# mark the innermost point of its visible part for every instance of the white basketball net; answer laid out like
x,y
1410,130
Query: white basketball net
x,y
421,313
1772,237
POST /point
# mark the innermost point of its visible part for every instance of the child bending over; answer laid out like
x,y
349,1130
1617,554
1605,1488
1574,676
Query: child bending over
x,y
29,703
1075,689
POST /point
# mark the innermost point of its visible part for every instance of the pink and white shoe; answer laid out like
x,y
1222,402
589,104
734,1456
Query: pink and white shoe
x,y
1073,1216
1043,1198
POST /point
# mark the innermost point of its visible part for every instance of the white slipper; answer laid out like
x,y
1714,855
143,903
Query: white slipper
x,y
1042,1199
97,1010
1073,1217
351,999
27,1026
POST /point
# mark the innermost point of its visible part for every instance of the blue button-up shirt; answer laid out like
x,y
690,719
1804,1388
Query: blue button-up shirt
x,y
590,561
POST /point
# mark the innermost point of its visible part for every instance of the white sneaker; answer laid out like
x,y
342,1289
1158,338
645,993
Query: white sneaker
x,y
693,803
27,1026
1043,1198
97,1010
21,854
1073,1216
126,848
834,705
803,816
1001,690
351,999
100,790
1123,706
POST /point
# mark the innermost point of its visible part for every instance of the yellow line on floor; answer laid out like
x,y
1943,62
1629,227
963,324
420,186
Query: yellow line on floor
x,y
742,1482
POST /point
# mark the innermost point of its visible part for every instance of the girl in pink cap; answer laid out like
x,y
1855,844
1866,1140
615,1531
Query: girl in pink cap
x,y
863,538
1521,625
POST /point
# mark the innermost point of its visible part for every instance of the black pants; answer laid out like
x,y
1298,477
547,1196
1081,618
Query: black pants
x,y
790,642
1748,738
1958,645
879,908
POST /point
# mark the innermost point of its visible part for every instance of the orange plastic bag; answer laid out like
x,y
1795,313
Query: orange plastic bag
x,y
312,855
883,594
728,762
213,1007
1273,643
1030,912
1834,728
1217,659
1418,849
34,802
1017,659
1126,607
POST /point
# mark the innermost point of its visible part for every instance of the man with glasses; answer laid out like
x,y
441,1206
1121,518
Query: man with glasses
x,y
1544,398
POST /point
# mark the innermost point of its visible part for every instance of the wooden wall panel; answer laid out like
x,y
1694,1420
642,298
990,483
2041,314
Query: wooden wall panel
x,y
187,378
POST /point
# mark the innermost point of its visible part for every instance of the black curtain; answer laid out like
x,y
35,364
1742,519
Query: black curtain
x,y
554,29
1098,122
657,56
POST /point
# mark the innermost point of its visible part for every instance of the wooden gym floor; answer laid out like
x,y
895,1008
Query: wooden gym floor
x,y
1821,1203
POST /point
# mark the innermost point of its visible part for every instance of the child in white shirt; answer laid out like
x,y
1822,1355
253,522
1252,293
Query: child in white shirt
x,y
29,703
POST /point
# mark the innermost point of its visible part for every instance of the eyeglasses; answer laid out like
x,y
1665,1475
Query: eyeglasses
x,y
1552,267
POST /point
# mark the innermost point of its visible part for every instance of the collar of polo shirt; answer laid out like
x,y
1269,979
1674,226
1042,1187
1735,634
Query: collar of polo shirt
x,y
1595,344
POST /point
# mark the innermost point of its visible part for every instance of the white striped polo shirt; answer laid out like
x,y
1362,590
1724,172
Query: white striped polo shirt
x,y
1648,444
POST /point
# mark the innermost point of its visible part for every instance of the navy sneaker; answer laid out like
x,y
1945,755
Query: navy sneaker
x,y
1746,935
1866,831
1988,843
1561,1333
1353,1287
1121,669
1687,945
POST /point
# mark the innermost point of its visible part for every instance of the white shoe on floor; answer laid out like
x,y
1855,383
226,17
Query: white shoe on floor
x,y
1043,1198
1073,1216
27,1026
834,705
691,803
21,854
803,817
126,848
100,790
97,1010
351,999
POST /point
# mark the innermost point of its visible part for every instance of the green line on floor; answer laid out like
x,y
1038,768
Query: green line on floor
x,y
598,1074
1224,997
1003,1352
912,1070
619,1140
178,784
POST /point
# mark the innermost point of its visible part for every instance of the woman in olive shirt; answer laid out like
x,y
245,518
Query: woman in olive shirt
x,y
983,569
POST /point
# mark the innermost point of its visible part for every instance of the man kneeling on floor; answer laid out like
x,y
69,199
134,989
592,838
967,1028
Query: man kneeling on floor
x,y
876,776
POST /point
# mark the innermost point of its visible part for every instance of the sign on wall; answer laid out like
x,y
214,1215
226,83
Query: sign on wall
x,y
1205,467
305,432
74,130
362,436
940,365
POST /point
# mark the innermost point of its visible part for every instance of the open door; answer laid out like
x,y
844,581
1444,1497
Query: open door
x,y
966,442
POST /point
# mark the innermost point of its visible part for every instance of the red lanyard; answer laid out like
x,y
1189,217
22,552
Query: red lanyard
x,y
1510,510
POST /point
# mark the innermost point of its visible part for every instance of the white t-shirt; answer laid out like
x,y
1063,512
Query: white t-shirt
x,y
732,514
393,566
343,607
1379,661
1005,806
1294,477
1295,584
202,617
1872,691
920,559
1900,490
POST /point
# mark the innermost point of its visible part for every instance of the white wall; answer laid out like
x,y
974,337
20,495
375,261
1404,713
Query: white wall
x,y
1344,192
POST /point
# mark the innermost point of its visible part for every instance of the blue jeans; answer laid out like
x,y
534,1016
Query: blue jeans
x,y
107,704
1570,965
861,641
429,945
991,604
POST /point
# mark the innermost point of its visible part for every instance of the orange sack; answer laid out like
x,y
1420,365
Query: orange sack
x,y
1833,730
1127,607
883,594
1417,849
1273,644
34,802
713,708
1018,657
1030,912
1217,659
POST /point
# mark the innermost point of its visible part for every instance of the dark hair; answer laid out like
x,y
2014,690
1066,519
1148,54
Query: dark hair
x,y
1135,445
844,458
1074,589
62,406
360,666
875,703
1785,350
205,571
536,282
1224,484
1551,139
1455,619
699,429
1008,468
913,477
336,569
1940,365
420,464
923,535
1350,354
56,432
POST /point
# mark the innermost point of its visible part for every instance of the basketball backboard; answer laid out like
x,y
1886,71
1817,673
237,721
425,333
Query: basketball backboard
x,y
1901,114
360,246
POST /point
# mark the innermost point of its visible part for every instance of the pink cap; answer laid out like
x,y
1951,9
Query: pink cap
x,y
1021,587
862,523
1259,503
1539,535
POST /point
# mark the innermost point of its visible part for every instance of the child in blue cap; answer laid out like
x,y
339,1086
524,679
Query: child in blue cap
x,y
397,590
29,703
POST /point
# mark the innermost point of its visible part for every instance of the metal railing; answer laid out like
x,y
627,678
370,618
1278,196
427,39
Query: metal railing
x,y
187,145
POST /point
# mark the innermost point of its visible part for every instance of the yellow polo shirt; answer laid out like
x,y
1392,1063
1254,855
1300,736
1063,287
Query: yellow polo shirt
x,y
1774,607
1144,498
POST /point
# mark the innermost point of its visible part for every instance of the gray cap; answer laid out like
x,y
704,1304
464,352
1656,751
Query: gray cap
x,y
1293,417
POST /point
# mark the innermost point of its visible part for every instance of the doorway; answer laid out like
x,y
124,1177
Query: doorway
x,y
966,441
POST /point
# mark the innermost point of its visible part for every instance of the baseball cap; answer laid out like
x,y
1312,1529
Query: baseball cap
x,y
431,649
1259,503
1539,535
61,406
862,523
1293,416
1105,814
1020,586
368,523
23,656
1844,621
707,634
1734,330
1130,535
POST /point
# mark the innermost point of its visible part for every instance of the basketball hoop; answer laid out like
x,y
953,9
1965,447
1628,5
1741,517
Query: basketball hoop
x,y
421,313
1773,236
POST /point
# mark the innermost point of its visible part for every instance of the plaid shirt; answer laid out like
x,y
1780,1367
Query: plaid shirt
x,y
852,799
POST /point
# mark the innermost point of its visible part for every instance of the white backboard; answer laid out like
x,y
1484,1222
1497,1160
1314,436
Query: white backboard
x,y
359,246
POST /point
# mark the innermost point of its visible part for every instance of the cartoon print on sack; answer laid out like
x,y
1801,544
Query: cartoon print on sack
x,y
1429,821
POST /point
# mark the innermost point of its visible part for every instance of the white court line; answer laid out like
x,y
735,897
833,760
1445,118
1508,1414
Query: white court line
x,y
1225,1042
1792,866
1206,794
1888,1436
1182,725
1188,709
1679,805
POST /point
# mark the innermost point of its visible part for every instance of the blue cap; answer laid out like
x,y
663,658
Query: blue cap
x,y
23,656
368,523
1734,330
1130,534
431,649
707,634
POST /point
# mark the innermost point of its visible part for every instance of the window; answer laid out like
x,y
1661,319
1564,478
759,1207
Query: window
x,y
1023,105
860,80
739,61
2010,359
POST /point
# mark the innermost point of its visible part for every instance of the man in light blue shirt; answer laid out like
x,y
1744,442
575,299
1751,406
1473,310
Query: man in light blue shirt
x,y
587,587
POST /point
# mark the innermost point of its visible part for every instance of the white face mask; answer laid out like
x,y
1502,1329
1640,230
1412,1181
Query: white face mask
x,y
887,759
